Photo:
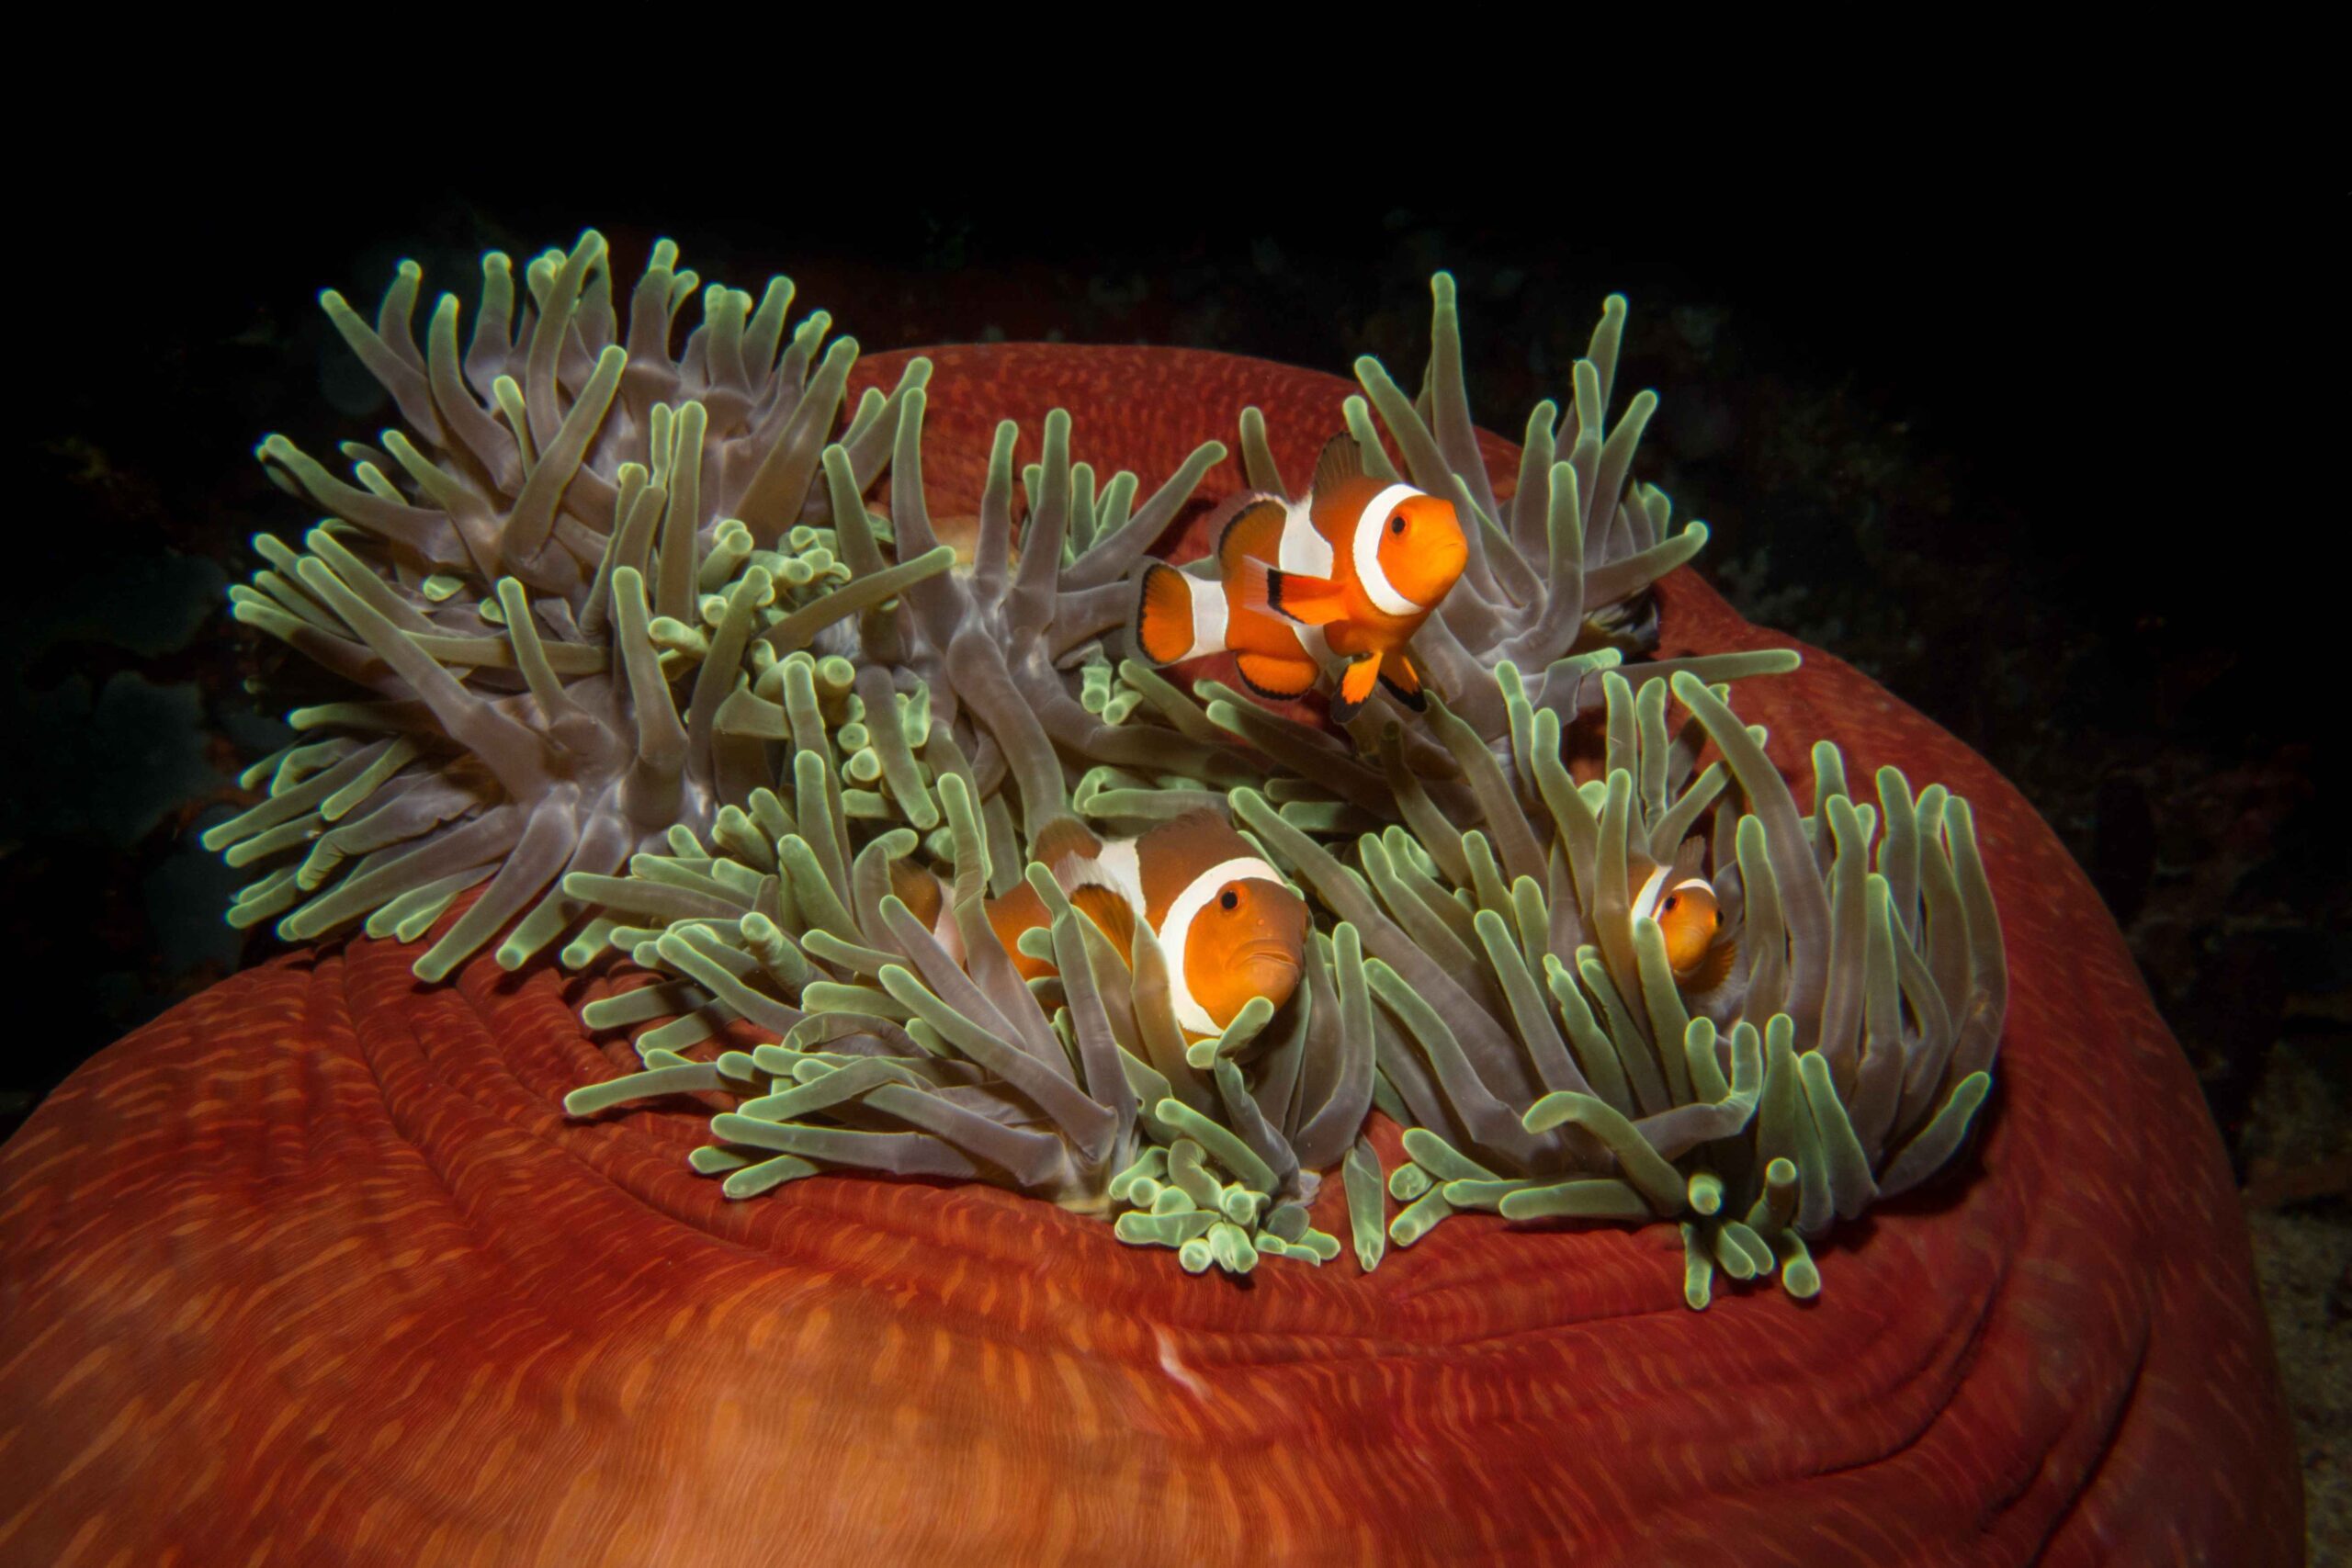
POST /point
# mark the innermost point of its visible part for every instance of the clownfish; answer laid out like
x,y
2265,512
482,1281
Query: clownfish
x,y
1231,928
1347,575
1683,904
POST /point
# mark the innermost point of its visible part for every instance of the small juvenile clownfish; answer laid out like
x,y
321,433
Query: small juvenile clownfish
x,y
1346,575
1683,903
1230,925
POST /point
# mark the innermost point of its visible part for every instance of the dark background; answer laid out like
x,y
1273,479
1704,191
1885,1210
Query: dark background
x,y
2009,441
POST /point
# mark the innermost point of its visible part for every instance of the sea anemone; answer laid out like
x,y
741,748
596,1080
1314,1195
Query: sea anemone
x,y
520,585
1545,1061
1563,556
319,1263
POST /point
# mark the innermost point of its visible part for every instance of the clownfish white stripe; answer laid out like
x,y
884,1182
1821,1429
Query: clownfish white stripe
x,y
1305,551
1121,871
945,930
1646,901
1655,892
1369,527
1179,925
1311,639
1210,615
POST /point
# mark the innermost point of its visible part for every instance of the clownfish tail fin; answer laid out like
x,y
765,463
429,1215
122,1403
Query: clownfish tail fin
x,y
1178,616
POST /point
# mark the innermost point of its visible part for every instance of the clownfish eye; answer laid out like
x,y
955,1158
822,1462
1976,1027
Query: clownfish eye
x,y
1396,523
1719,920
1671,903
1231,900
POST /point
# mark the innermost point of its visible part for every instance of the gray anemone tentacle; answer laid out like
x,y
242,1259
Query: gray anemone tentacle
x,y
548,585
1548,1064
614,636
1560,572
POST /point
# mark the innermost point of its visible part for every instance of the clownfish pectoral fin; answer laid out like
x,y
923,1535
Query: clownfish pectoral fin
x,y
1167,627
1309,601
1271,675
1355,687
1342,460
1254,533
1404,682
1112,914
1713,969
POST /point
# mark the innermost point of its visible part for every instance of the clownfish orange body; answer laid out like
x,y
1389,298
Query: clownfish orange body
x,y
1345,577
1688,916
1231,928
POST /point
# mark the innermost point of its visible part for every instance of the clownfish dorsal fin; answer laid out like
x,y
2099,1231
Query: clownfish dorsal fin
x,y
1341,461
1689,860
1113,914
1254,533
1063,839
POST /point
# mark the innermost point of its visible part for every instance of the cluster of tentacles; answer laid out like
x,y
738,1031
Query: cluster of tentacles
x,y
1536,1046
549,588
634,650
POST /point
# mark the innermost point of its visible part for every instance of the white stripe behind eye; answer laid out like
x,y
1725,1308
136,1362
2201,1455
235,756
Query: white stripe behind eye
x,y
1177,926
1369,526
1655,892
1646,901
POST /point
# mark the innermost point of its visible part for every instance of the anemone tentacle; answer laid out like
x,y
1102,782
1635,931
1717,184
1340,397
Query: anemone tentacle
x,y
1559,574
892,1055
546,587
1544,1059
636,653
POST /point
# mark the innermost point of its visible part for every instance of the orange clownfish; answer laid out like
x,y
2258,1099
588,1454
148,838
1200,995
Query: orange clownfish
x,y
1230,925
1347,575
1683,904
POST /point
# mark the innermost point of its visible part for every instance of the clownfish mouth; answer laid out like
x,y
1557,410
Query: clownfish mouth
x,y
1267,970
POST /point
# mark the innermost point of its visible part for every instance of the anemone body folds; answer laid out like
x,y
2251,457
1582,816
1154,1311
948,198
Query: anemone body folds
x,y
317,1262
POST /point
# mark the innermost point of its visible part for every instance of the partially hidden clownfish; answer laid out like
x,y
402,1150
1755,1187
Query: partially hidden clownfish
x,y
1682,902
1231,928
1346,575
